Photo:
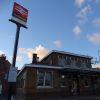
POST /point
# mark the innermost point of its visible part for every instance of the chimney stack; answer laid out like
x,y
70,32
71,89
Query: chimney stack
x,y
34,60
2,56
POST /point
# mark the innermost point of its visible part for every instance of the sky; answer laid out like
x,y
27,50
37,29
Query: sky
x,y
64,25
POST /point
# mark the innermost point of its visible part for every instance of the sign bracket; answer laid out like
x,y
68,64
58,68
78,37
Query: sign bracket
x,y
11,20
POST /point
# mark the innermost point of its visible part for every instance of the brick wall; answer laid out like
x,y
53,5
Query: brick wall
x,y
4,68
30,90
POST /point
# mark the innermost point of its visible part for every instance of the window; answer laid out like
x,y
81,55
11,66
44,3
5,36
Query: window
x,y
68,61
50,61
63,81
44,79
48,79
61,60
78,64
86,83
41,79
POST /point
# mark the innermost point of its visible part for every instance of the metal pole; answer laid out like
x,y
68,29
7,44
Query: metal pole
x,y
15,46
12,85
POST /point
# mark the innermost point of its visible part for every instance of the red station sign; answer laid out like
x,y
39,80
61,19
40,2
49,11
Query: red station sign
x,y
19,14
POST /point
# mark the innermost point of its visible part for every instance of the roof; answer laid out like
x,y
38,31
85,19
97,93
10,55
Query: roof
x,y
68,53
58,68
80,70
38,66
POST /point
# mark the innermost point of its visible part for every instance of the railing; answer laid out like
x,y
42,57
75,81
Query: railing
x,y
78,65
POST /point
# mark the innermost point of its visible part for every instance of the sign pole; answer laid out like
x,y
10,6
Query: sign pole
x,y
19,17
12,85
16,45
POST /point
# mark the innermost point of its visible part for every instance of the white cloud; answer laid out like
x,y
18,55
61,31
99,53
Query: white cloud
x,y
26,51
94,38
96,65
84,13
40,50
96,21
86,7
57,43
79,3
19,58
1,52
77,30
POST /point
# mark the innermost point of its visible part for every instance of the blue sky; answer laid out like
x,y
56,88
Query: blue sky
x,y
65,25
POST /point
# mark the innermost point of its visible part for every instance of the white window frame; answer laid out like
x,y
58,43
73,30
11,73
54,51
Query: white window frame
x,y
44,79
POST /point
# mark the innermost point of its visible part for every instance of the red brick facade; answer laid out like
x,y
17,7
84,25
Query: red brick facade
x,y
51,78
4,68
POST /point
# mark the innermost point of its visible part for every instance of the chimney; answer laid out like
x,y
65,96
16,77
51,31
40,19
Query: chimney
x,y
3,57
34,60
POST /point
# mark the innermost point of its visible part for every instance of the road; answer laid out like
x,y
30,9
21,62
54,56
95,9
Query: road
x,y
61,98
2,98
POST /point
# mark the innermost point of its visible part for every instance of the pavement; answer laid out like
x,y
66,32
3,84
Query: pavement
x,y
96,97
2,98
73,98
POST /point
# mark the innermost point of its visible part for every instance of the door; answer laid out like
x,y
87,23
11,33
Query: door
x,y
74,87
0,89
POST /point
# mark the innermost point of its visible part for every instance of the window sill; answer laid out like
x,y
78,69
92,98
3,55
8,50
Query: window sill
x,y
44,87
62,86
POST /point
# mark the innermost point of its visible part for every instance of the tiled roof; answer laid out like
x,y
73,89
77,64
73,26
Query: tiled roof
x,y
67,53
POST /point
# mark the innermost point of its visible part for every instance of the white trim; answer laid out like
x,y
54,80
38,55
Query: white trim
x,y
42,66
21,70
18,20
38,66
63,86
56,67
42,87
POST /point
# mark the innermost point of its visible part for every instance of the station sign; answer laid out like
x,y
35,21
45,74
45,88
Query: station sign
x,y
19,14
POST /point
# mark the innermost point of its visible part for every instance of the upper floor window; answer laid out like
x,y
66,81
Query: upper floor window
x,y
61,60
78,64
68,61
50,61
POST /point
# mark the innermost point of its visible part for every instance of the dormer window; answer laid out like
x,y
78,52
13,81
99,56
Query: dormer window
x,y
50,61
61,60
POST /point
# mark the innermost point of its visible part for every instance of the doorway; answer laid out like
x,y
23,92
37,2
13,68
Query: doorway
x,y
74,89
0,88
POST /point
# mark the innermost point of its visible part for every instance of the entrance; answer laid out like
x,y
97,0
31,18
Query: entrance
x,y
0,88
74,87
